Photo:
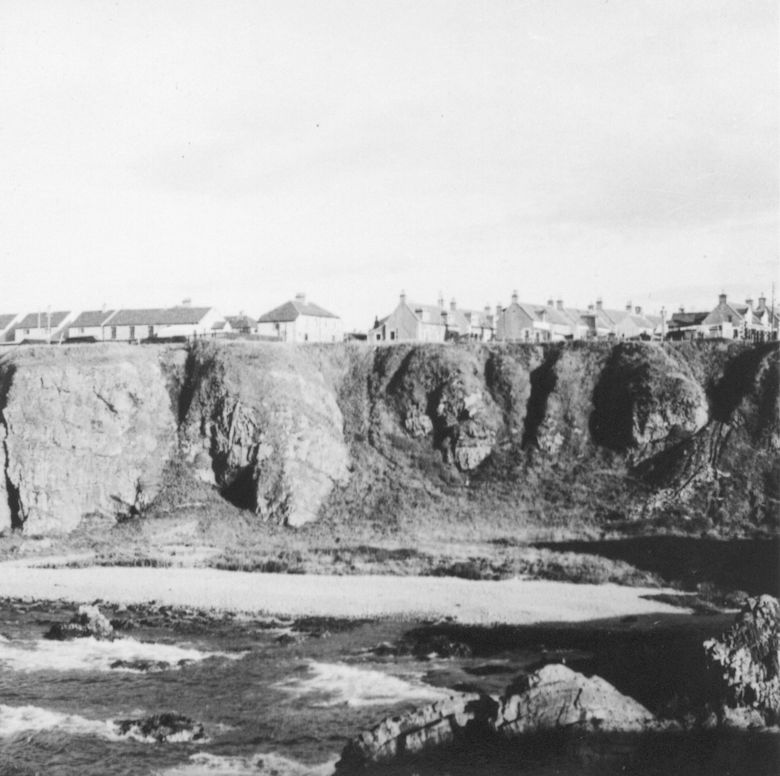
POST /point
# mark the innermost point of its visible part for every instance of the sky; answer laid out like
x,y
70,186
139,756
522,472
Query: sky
x,y
237,153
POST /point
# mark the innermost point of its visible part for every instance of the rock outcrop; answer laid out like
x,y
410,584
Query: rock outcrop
x,y
553,699
82,431
565,434
87,622
168,727
744,664
270,423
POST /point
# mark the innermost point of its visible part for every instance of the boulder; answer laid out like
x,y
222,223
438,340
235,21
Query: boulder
x,y
168,727
744,663
553,699
88,622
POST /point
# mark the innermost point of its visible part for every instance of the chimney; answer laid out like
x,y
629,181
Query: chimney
x,y
762,301
628,307
638,310
186,302
498,311
550,303
559,304
682,309
440,301
722,299
453,306
749,303
403,297
514,297
599,304
591,307
300,298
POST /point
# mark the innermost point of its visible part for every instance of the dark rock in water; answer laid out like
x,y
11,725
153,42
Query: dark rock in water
x,y
744,665
149,666
87,622
440,644
552,699
168,727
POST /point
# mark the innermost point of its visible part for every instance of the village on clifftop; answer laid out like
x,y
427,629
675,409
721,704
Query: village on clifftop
x,y
300,320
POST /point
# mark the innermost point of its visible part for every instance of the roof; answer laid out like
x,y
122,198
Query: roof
x,y
289,311
52,320
159,316
433,310
92,318
6,319
687,319
241,321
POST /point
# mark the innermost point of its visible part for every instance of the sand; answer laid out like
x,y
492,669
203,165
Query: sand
x,y
515,601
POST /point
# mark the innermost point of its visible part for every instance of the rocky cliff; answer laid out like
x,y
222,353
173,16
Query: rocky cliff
x,y
674,436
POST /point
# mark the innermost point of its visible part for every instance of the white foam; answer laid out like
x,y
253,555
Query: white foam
x,y
203,764
31,719
334,684
90,654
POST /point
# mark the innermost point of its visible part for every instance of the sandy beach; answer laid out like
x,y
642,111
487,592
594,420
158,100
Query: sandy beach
x,y
516,601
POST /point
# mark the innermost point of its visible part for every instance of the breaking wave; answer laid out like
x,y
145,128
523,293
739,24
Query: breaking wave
x,y
90,654
204,764
334,684
31,719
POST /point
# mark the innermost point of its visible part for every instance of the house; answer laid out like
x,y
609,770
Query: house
x,y
634,324
242,324
412,321
523,322
684,325
7,321
183,321
43,327
770,318
301,321
88,325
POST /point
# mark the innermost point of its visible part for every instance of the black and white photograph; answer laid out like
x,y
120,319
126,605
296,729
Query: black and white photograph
x,y
389,387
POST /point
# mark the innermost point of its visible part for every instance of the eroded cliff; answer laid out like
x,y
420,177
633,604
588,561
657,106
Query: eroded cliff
x,y
604,435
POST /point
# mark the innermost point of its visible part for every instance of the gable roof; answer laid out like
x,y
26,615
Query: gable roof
x,y
687,319
92,318
30,321
289,311
158,316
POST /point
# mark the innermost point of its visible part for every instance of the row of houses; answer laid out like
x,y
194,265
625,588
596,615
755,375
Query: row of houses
x,y
299,320
554,321
294,321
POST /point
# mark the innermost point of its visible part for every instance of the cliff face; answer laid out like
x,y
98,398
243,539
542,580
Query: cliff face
x,y
599,435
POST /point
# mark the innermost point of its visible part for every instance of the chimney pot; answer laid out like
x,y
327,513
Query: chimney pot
x,y
514,297
453,306
599,304
722,299
559,304
638,310
550,303
749,303
300,298
629,307
403,297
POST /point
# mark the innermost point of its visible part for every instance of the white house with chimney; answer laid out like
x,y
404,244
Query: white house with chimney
x,y
301,321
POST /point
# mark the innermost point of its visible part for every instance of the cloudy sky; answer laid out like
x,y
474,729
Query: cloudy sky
x,y
239,152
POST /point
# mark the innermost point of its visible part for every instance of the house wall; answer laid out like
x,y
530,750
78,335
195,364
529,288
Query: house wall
x,y
515,325
43,332
305,328
85,331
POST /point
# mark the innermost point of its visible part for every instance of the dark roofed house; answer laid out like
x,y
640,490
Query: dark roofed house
x,y
88,325
179,322
412,321
301,321
43,326
242,324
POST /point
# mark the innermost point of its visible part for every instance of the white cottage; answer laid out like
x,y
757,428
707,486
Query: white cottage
x,y
89,325
43,326
301,321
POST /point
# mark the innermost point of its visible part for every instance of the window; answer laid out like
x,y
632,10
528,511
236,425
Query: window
x,y
150,331
132,332
392,335
81,330
113,332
